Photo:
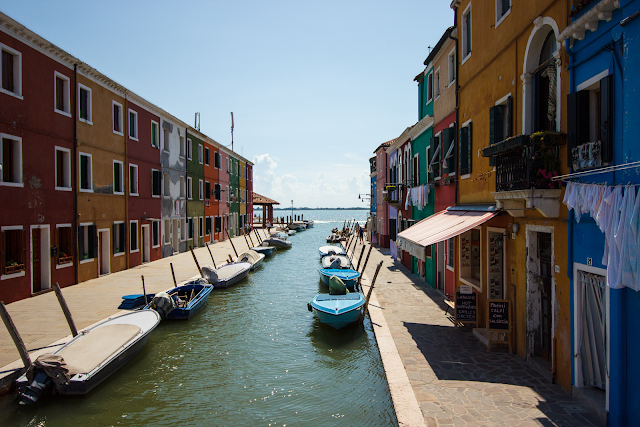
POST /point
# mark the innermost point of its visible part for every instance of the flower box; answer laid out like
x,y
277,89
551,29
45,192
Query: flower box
x,y
65,259
10,269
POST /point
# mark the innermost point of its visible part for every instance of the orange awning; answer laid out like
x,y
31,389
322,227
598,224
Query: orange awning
x,y
438,227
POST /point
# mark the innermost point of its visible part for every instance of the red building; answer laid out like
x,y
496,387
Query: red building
x,y
37,113
212,193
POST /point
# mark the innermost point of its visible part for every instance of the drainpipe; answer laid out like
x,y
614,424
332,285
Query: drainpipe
x,y
455,39
74,115
125,127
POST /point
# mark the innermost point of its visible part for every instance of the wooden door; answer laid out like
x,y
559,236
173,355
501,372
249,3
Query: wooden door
x,y
37,269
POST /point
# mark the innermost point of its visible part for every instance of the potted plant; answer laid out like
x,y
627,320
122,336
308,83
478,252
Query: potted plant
x,y
546,165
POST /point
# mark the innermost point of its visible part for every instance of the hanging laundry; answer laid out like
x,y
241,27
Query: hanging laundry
x,y
622,237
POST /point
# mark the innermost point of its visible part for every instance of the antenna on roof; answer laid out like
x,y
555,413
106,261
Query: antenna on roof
x,y
232,131
197,123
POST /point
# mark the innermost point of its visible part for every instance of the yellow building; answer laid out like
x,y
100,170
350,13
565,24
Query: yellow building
x,y
511,80
103,241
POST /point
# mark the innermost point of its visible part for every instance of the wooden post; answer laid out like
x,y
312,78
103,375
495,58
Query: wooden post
x,y
360,257
247,240
173,274
212,260
230,259
13,331
258,239
196,261
144,290
232,245
65,309
366,260
373,282
251,240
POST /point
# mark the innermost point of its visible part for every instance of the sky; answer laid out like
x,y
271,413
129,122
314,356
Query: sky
x,y
315,86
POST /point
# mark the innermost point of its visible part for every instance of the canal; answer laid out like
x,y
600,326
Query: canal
x,y
253,357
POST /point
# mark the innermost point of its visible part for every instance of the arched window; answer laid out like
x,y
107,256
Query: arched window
x,y
544,87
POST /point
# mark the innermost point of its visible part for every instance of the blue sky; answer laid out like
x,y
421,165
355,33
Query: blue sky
x,y
315,86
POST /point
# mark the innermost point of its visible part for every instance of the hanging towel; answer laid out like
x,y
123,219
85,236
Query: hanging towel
x,y
622,237
613,261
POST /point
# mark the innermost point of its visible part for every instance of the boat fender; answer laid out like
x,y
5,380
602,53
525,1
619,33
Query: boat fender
x,y
309,306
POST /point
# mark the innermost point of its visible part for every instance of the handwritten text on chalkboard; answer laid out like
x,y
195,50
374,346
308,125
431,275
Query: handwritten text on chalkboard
x,y
466,307
499,315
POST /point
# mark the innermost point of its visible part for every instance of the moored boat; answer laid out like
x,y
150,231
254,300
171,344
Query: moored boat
x,y
89,358
278,242
333,238
335,261
252,257
330,250
226,275
338,308
348,276
267,250
182,302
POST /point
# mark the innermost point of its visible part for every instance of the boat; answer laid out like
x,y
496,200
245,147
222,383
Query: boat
x,y
348,276
266,249
338,308
226,275
278,242
333,238
296,225
331,250
89,358
291,232
182,302
308,222
252,257
129,302
336,261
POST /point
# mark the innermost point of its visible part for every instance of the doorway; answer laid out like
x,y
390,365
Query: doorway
x,y
440,266
146,244
40,258
104,249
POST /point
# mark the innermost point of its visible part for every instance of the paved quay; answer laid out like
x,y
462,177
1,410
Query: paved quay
x,y
455,381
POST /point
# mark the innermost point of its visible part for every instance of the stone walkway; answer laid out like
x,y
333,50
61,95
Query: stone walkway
x,y
455,380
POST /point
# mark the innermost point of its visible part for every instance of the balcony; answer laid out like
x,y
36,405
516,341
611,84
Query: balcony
x,y
393,195
525,165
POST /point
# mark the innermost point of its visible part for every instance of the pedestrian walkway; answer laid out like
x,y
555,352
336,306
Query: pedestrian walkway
x,y
456,382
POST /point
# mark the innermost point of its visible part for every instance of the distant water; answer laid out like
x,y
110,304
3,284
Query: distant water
x,y
253,357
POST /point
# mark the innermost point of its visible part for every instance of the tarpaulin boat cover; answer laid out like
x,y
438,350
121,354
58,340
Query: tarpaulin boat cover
x,y
438,227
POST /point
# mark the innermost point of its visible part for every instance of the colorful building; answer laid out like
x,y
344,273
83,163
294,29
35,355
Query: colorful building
x,y
196,224
381,224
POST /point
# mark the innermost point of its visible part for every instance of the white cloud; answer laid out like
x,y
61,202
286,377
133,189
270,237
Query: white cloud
x,y
265,159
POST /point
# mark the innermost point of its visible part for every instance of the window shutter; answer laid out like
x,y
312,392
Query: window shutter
x,y
606,118
123,237
93,242
464,159
3,252
453,161
114,228
508,130
470,148
577,122
80,241
446,142
492,125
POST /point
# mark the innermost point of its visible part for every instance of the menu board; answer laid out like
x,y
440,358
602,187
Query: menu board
x,y
466,307
499,315
496,256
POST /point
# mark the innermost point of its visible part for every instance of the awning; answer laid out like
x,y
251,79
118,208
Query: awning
x,y
438,227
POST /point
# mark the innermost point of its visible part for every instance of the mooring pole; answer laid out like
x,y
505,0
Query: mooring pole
x,y
360,257
247,240
212,260
173,274
13,331
144,290
65,309
373,282
196,261
232,245
252,245
366,260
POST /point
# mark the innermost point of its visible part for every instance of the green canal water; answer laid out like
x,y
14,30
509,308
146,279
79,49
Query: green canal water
x,y
254,356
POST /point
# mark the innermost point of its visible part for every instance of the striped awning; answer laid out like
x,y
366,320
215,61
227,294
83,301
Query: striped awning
x,y
439,227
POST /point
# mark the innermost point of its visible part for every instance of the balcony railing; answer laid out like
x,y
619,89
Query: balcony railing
x,y
527,161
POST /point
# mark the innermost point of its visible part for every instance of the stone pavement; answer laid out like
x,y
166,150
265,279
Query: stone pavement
x,y
455,380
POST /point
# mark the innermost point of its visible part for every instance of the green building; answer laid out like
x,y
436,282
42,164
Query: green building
x,y
195,188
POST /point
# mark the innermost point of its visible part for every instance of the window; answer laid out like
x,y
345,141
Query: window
x,y
190,224
207,156
429,87
133,125
218,224
200,153
61,94
86,173
251,175
133,180
64,239
449,150
227,165
500,120
156,179
167,139
227,191
87,242
216,191
118,179
11,71
133,236
207,190
466,33
182,189
84,104
119,238
12,261
167,185
154,135
450,252
452,66
434,164
216,160
208,225
470,242
200,190
189,188
63,168
189,149
167,231
183,230
117,117
466,149
503,8
155,233
436,83
182,147
200,226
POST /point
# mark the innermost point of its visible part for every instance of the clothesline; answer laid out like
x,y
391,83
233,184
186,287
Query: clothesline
x,y
596,171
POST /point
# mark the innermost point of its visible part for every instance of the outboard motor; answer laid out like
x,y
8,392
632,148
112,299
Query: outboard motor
x,y
163,304
335,263
33,391
209,274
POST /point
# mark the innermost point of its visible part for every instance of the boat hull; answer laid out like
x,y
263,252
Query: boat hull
x,y
348,276
267,250
338,311
326,250
232,280
194,307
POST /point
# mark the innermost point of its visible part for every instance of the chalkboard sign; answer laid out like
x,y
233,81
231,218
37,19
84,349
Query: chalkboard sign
x,y
466,307
499,315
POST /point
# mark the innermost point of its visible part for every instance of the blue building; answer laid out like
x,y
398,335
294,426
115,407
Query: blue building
x,y
602,146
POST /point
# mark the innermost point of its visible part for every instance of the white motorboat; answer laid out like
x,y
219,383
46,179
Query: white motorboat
x,y
251,256
226,275
336,261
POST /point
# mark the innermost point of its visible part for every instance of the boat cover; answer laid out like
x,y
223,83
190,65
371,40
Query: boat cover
x,y
55,367
337,286
342,274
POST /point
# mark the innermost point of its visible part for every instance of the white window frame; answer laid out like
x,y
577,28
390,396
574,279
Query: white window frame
x,y
120,193
17,72
156,143
500,18
429,87
183,230
217,153
166,185
227,164
166,140
200,189
182,187
463,43
90,172
133,124
200,154
227,191
166,231
201,226
20,273
124,246
65,96
89,119
85,239
19,164
66,168
131,222
160,194
205,157
183,147
189,188
451,71
137,180
189,149
66,264
113,119
155,221
450,256
465,124
436,84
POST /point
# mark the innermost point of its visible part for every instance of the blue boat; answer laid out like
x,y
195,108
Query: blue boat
x,y
129,302
348,276
337,311
182,302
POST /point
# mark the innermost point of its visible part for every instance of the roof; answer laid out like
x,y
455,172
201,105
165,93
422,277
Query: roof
x,y
262,200
438,46
384,145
